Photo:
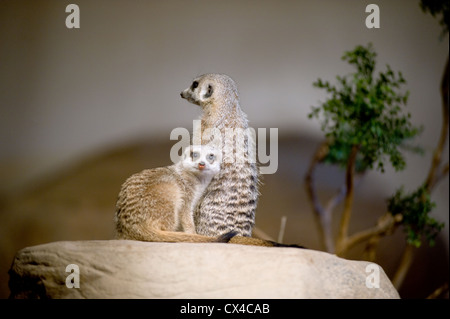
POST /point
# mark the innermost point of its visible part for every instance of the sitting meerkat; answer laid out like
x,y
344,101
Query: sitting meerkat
x,y
157,204
230,200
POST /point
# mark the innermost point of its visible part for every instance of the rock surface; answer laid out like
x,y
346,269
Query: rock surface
x,y
132,269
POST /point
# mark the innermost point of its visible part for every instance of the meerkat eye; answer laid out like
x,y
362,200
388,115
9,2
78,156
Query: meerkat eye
x,y
209,92
194,155
194,85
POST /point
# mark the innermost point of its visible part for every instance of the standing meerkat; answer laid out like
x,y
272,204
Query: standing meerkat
x,y
231,198
157,204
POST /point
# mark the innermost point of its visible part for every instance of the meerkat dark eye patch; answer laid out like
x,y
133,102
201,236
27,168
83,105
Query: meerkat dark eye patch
x,y
209,92
194,85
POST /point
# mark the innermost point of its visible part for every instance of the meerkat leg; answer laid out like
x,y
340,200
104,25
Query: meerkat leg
x,y
187,220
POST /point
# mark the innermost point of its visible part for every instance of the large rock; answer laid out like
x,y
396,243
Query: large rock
x,y
132,269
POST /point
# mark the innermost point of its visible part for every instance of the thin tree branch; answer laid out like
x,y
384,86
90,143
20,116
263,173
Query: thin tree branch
x,y
327,218
331,205
282,229
439,291
433,177
405,263
322,221
390,225
438,177
437,156
259,233
336,199
340,195
370,252
386,225
348,205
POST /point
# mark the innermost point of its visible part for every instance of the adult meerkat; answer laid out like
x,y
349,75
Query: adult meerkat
x,y
157,204
231,198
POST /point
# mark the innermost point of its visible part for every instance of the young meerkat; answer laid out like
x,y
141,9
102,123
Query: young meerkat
x,y
230,200
157,204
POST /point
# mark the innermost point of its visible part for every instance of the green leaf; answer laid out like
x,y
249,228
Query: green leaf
x,y
367,111
415,208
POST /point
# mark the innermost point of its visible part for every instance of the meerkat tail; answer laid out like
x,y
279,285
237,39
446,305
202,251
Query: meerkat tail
x,y
251,241
178,237
156,235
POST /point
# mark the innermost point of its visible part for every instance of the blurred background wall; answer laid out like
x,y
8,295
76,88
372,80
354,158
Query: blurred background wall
x,y
67,95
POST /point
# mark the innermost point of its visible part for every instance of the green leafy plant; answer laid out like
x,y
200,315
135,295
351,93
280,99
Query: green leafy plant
x,y
415,209
366,126
365,111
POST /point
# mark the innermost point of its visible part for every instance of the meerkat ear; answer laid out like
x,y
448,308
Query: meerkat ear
x,y
209,92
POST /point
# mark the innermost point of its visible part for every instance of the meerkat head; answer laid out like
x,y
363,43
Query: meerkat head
x,y
202,160
208,88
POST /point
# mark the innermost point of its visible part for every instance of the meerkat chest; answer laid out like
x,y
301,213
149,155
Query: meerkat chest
x,y
197,193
